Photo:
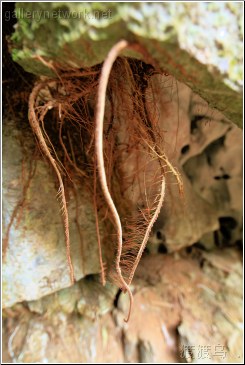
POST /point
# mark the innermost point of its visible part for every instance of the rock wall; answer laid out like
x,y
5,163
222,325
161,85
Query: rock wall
x,y
207,150
188,303
199,44
35,262
187,308
84,322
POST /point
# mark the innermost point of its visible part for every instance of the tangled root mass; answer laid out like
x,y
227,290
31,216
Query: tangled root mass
x,y
99,129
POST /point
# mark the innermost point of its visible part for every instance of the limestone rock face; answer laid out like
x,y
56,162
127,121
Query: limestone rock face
x,y
185,317
207,150
87,297
35,262
200,44
186,308
203,144
63,339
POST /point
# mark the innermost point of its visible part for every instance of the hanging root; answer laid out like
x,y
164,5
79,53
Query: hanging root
x,y
34,122
99,122
102,265
138,125
125,148
173,170
151,222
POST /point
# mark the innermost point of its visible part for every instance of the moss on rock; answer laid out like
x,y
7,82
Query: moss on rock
x,y
191,41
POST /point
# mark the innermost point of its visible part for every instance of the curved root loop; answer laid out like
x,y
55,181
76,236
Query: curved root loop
x,y
130,303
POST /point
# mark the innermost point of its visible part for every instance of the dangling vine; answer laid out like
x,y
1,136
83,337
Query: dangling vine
x,y
100,132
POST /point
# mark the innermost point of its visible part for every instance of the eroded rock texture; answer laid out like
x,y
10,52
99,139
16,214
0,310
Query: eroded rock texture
x,y
207,150
35,262
183,301
200,44
187,307
188,303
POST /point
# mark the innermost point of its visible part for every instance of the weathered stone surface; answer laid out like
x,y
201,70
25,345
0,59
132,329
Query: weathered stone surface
x,y
207,150
174,292
87,297
224,271
187,307
185,301
35,263
63,339
190,41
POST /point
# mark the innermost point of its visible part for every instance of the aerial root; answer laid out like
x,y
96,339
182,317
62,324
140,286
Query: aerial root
x,y
34,122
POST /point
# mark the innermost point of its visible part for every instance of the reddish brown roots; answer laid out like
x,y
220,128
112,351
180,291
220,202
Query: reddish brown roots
x,y
121,144
150,219
46,151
